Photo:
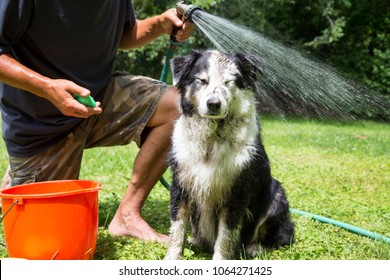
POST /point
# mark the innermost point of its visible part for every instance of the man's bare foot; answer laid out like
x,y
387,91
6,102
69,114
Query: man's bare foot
x,y
134,226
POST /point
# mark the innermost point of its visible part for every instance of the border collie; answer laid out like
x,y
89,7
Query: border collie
x,y
222,184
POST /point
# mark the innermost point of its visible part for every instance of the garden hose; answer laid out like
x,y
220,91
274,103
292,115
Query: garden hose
x,y
164,74
343,225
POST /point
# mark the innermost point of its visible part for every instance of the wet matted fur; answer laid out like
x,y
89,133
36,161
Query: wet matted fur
x,y
222,183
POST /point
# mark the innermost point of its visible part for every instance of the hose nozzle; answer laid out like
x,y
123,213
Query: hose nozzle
x,y
186,10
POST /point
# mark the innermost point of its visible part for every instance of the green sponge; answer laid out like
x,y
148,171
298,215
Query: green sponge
x,y
87,101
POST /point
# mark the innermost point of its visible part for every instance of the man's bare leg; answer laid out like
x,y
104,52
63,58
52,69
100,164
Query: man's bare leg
x,y
6,183
149,165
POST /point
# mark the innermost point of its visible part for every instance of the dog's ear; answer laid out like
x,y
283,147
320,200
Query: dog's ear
x,y
251,67
181,66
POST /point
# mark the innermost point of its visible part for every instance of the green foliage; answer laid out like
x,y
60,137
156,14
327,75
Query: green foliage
x,y
353,35
148,60
364,51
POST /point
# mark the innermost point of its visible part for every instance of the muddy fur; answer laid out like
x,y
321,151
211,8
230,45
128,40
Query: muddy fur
x,y
222,184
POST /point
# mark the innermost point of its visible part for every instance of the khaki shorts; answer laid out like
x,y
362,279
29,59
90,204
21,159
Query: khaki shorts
x,y
128,104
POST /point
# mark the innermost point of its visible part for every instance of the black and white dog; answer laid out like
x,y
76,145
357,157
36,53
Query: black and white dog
x,y
222,183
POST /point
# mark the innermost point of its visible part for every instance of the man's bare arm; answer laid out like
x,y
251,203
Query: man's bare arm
x,y
147,30
57,91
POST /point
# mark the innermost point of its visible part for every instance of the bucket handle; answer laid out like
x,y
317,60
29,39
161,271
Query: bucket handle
x,y
5,214
9,209
89,251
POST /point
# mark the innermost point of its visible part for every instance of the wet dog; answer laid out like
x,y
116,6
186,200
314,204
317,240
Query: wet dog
x,y
222,183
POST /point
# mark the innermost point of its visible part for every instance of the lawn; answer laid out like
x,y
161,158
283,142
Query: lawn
x,y
341,171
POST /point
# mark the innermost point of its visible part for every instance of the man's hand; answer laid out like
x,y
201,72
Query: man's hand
x,y
147,30
60,93
170,19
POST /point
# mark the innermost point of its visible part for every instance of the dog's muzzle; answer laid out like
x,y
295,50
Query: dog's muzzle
x,y
214,108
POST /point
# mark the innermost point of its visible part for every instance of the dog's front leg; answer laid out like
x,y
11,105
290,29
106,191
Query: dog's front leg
x,y
178,233
228,238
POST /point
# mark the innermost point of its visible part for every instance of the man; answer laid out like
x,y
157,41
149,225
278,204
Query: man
x,y
53,50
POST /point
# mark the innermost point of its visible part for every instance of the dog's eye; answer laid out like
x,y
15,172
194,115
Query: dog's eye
x,y
201,81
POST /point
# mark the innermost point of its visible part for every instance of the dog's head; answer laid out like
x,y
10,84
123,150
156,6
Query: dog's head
x,y
210,80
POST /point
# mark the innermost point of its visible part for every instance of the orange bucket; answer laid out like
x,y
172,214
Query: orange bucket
x,y
51,220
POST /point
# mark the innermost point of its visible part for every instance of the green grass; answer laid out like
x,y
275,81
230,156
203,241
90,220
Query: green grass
x,y
341,171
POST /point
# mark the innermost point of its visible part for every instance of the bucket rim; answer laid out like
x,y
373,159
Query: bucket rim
x,y
5,195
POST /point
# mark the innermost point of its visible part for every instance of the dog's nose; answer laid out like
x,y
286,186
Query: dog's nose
x,y
214,104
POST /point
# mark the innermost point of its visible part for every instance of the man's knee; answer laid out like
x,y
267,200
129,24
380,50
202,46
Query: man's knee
x,y
167,110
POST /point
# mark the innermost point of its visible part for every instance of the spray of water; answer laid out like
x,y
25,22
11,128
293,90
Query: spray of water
x,y
293,82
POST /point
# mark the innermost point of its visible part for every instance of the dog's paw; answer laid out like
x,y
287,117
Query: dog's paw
x,y
174,253
253,250
193,241
219,256
171,256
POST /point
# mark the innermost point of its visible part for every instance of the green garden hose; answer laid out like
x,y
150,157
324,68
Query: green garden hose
x,y
165,70
164,74
343,225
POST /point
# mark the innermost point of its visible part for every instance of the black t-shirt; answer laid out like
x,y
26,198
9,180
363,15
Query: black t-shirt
x,y
60,39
